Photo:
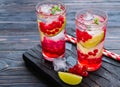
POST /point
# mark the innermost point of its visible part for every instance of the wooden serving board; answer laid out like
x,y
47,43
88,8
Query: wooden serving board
x,y
104,77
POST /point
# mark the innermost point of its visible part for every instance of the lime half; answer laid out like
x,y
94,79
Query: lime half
x,y
96,39
70,78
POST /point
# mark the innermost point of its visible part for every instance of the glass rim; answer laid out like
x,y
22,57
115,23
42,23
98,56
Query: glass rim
x,y
50,1
87,9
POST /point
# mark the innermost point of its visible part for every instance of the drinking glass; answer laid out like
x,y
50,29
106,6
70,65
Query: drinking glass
x,y
51,18
90,33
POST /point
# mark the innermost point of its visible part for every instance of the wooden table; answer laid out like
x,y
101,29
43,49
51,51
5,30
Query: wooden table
x,y
18,33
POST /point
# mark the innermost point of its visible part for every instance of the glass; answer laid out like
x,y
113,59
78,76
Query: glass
x,y
90,33
51,18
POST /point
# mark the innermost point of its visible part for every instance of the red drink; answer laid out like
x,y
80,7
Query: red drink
x,y
90,32
51,23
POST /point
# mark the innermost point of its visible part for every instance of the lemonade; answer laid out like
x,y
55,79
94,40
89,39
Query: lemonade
x,y
51,23
90,32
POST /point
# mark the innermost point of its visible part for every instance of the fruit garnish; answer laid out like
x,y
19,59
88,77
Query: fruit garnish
x,y
70,78
53,28
82,35
55,9
96,39
79,70
96,21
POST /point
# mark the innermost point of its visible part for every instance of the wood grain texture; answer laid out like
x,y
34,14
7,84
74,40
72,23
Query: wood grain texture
x,y
106,76
19,33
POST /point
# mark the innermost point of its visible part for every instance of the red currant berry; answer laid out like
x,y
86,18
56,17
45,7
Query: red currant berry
x,y
96,50
42,26
90,53
61,18
79,70
56,30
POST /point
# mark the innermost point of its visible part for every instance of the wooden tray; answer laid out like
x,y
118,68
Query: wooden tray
x,y
104,77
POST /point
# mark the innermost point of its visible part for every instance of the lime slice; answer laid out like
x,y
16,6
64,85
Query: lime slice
x,y
96,39
70,78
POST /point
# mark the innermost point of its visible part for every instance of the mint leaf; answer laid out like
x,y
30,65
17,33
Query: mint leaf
x,y
55,9
96,21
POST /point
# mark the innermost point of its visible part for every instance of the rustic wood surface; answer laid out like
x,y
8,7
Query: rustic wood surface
x,y
18,33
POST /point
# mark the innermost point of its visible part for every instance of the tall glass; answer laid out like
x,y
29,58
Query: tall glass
x,y
51,18
90,33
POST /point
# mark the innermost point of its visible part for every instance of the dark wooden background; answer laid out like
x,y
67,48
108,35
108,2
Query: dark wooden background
x,y
18,33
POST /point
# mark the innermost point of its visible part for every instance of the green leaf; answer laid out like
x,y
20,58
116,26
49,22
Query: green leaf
x,y
55,9
96,21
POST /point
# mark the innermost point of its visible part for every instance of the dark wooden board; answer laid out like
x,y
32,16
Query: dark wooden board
x,y
106,76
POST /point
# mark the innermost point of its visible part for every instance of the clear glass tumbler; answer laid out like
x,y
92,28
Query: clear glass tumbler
x,y
90,33
51,18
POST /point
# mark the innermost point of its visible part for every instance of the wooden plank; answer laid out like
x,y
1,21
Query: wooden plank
x,y
70,25
34,32
24,85
27,10
35,38
20,46
30,17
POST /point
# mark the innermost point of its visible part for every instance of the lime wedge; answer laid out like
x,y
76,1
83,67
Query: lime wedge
x,y
96,39
70,78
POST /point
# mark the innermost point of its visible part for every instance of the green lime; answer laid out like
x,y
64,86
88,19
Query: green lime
x,y
70,78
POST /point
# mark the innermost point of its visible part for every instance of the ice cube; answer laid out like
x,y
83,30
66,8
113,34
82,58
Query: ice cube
x,y
51,19
71,61
46,9
60,64
88,16
95,31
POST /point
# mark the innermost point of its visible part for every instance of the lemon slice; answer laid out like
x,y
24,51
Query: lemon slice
x,y
70,78
96,39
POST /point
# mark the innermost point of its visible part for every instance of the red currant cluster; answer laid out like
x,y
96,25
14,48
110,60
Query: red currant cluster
x,y
82,35
53,47
82,55
52,28
93,53
85,56
79,70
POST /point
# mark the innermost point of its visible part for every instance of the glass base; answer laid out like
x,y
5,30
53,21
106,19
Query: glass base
x,y
91,67
94,68
51,59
